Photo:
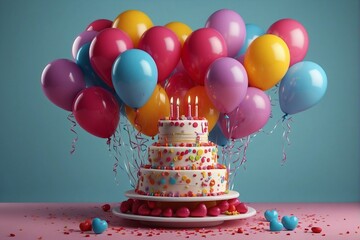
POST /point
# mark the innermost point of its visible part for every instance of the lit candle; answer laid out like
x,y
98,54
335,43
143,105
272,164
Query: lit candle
x,y
178,108
171,107
189,106
196,107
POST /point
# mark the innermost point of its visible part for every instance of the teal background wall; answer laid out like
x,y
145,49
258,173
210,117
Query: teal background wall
x,y
323,163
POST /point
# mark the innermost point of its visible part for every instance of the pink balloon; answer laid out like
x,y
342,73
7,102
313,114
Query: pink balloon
x,y
99,25
61,81
226,83
164,47
84,37
250,116
231,26
178,85
105,48
294,35
200,49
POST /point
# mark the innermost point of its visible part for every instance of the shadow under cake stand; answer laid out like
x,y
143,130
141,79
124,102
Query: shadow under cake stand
x,y
178,222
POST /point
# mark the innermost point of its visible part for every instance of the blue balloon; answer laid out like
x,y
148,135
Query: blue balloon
x,y
217,136
252,32
302,87
83,60
91,78
134,76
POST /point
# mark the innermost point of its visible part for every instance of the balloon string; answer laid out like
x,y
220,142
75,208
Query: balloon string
x,y
227,119
116,143
71,117
246,145
286,140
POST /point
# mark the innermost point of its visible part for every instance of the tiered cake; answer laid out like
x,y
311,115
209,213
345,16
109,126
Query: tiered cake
x,y
183,163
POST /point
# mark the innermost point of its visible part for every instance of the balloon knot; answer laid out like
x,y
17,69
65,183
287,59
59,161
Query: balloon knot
x,y
285,117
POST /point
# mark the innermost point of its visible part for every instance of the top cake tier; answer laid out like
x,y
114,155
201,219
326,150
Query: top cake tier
x,y
178,131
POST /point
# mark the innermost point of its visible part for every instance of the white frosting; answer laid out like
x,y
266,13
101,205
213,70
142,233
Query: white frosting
x,y
183,162
191,157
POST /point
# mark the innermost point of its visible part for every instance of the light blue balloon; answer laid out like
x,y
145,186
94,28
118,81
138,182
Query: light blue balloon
x,y
302,87
134,76
252,32
216,136
91,78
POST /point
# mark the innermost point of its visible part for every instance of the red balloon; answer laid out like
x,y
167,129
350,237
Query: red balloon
x,y
105,48
178,85
200,49
99,25
164,47
294,35
97,111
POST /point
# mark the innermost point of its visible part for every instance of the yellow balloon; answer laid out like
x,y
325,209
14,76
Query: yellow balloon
x,y
181,30
146,118
266,61
134,23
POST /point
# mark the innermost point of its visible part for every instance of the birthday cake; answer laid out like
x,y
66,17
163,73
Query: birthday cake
x,y
183,162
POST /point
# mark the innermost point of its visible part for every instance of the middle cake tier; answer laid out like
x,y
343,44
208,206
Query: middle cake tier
x,y
185,156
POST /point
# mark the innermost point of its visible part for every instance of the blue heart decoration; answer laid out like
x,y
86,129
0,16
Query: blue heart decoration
x,y
99,226
276,226
271,215
290,222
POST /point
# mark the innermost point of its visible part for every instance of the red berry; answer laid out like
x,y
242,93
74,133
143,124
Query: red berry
x,y
316,229
144,210
231,208
151,204
105,207
124,207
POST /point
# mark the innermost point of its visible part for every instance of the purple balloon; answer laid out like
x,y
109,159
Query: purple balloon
x,y
250,116
226,83
84,37
231,26
61,81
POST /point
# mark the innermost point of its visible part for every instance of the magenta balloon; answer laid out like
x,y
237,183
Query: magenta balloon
x,y
99,25
104,50
164,47
200,49
294,35
61,81
231,26
226,83
250,116
84,37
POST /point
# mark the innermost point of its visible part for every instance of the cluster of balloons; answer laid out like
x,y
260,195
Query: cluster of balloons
x,y
131,67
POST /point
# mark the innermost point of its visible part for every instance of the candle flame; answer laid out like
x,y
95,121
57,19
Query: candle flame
x,y
177,101
196,100
171,100
189,99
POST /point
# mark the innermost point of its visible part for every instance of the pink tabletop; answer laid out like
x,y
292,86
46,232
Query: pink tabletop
x,y
61,221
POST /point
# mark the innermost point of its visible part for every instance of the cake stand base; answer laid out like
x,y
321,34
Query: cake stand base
x,y
178,222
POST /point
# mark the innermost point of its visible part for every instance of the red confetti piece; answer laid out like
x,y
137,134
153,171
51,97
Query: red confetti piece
x,y
12,235
105,207
316,229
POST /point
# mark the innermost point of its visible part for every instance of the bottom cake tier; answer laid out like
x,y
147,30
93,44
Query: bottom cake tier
x,y
182,183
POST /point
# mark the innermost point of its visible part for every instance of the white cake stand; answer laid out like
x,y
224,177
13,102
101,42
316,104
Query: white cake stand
x,y
177,222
